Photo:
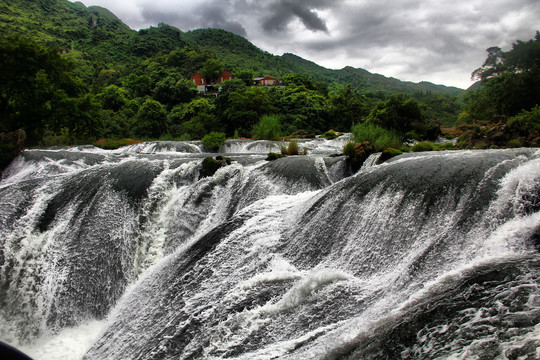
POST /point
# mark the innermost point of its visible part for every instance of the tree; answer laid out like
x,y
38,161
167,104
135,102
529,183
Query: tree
x,y
294,79
138,85
196,118
239,107
32,80
347,108
510,80
171,91
151,120
212,68
246,76
304,109
397,113
113,98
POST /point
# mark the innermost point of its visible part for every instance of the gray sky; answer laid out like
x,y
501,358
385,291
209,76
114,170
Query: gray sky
x,y
414,40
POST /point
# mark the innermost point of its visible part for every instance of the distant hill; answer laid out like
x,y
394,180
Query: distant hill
x,y
365,80
102,36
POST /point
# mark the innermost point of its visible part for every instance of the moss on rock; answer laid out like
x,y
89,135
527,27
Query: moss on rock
x,y
209,165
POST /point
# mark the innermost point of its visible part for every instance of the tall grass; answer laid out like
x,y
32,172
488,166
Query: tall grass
x,y
380,138
268,128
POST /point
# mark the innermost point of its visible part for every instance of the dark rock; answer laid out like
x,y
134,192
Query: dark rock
x,y
302,134
274,156
16,138
360,153
210,165
11,144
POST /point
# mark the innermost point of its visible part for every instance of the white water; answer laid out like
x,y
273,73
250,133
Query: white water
x,y
265,259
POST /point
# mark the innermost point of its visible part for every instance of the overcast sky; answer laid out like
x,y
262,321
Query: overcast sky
x,y
414,40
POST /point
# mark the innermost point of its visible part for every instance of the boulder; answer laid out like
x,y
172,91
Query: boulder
x,y
209,165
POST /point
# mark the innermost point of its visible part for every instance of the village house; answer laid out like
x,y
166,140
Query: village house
x,y
208,86
265,81
205,86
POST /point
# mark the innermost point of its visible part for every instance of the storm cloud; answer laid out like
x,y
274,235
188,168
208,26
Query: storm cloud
x,y
414,40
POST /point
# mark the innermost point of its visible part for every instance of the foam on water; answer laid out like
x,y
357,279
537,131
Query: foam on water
x,y
425,256
70,343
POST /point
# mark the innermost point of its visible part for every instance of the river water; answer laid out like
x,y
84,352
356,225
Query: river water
x,y
130,254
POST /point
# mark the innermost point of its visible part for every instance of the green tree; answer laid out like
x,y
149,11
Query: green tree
x,y
304,109
212,68
347,108
113,98
297,80
246,75
34,81
242,106
510,79
398,113
196,118
138,85
171,91
151,120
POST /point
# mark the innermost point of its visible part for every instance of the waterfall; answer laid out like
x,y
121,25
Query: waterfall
x,y
371,161
431,255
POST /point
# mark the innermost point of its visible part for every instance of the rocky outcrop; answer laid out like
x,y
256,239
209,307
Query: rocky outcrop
x,y
357,154
11,144
499,132
16,138
209,165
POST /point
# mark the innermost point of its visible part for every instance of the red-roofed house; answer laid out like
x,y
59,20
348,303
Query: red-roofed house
x,y
224,76
265,81
200,81
206,86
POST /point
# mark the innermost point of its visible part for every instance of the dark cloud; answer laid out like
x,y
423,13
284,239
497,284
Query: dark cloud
x,y
286,11
207,15
214,15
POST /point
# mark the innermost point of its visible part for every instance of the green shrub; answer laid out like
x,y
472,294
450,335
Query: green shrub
x,y
405,148
448,146
209,166
481,145
291,149
273,156
213,141
223,158
422,146
526,120
515,143
329,135
390,153
380,138
348,149
268,128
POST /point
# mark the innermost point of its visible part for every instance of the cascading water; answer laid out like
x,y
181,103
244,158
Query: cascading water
x,y
133,256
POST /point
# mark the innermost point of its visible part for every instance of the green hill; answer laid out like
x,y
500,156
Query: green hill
x,y
103,37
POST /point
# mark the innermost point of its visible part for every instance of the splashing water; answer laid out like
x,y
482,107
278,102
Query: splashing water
x,y
129,254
